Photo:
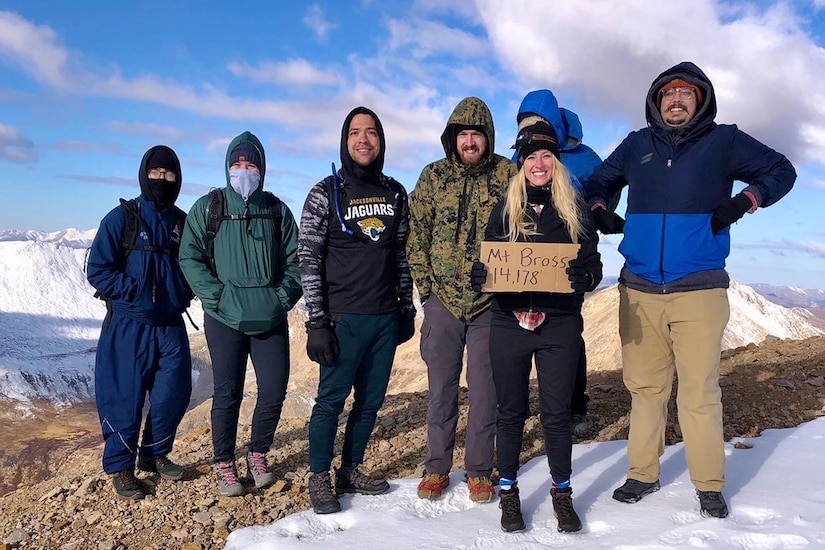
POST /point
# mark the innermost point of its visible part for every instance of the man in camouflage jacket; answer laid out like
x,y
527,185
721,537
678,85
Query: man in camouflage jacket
x,y
449,208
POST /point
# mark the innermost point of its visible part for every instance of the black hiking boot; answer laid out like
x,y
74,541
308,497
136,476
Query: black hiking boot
x,y
126,485
633,490
569,521
320,494
161,465
349,479
510,504
712,504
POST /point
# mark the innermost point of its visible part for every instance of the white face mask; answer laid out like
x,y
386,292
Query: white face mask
x,y
244,181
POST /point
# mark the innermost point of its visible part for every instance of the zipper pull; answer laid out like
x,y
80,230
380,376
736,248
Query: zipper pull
x,y
669,163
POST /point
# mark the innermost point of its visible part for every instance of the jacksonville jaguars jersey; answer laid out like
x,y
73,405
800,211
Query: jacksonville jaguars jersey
x,y
360,265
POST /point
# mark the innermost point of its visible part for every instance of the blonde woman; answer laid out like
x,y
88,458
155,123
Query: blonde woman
x,y
541,206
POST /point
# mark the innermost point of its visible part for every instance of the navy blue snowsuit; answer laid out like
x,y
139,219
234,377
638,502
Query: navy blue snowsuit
x,y
143,347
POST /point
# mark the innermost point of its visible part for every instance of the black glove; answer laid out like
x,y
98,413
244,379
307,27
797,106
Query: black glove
x,y
478,276
609,223
406,327
581,280
730,211
322,345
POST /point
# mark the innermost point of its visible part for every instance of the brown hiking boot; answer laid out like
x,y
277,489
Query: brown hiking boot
x,y
569,521
481,488
432,486
510,504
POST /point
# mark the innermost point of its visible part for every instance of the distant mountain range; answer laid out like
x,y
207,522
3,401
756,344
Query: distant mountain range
x,y
790,296
67,237
50,322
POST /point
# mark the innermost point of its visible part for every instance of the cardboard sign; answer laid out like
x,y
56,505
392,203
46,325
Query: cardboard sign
x,y
527,267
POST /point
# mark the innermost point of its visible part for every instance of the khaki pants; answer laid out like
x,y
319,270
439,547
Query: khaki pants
x,y
660,332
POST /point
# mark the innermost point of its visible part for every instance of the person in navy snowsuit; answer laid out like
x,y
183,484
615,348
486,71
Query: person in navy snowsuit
x,y
143,348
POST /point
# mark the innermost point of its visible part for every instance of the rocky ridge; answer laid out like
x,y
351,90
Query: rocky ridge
x,y
775,385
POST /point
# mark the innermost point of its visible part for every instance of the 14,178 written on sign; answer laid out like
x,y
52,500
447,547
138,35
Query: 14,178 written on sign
x,y
527,267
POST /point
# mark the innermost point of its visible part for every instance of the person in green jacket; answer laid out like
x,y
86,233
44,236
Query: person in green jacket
x,y
247,279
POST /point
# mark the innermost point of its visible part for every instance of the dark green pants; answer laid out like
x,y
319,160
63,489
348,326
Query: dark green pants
x,y
367,348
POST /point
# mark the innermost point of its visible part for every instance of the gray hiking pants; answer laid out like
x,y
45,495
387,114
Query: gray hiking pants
x,y
443,338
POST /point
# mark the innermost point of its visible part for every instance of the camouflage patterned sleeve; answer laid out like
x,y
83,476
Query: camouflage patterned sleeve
x,y
402,266
312,238
422,214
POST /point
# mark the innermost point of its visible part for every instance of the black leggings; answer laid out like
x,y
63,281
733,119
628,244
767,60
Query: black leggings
x,y
556,345
230,349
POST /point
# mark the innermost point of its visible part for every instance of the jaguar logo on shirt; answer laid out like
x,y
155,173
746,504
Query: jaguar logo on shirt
x,y
372,228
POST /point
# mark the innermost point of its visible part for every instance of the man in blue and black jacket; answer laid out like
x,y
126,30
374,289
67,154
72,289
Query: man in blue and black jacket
x,y
673,305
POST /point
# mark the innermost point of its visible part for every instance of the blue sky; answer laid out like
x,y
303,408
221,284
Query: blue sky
x,y
87,86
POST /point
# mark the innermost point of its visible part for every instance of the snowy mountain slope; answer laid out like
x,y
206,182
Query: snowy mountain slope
x,y
49,322
752,319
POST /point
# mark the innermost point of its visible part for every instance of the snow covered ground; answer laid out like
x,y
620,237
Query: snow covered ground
x,y
775,490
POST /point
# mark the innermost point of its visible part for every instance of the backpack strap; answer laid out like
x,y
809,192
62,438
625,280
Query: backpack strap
x,y
215,216
131,226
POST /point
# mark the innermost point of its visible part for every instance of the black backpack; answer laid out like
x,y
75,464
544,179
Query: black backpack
x,y
214,216
131,229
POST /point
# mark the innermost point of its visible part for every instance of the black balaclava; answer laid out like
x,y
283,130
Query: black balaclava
x,y
367,174
161,192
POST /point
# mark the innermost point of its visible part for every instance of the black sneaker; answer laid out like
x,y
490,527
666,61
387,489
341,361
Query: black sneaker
x,y
712,504
569,521
321,496
579,425
126,485
161,465
510,504
349,479
633,490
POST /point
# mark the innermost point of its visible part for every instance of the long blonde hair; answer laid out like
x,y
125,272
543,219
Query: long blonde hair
x,y
566,201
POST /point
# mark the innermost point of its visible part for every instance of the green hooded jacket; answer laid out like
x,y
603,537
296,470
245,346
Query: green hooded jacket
x,y
257,279
450,207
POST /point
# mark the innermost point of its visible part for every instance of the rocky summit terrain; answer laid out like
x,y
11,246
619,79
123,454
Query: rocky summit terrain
x,y
68,503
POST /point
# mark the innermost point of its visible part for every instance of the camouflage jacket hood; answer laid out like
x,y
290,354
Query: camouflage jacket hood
x,y
450,207
470,111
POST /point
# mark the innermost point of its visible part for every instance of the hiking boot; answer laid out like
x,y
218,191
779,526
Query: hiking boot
x,y
349,479
258,470
579,425
633,490
126,485
481,488
510,504
712,504
321,496
161,465
569,521
228,483
432,486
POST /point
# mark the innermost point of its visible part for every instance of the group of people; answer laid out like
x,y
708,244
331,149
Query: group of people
x,y
363,242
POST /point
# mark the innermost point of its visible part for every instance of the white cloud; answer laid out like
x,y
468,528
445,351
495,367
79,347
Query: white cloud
x,y
15,147
317,23
145,128
85,146
32,47
428,38
763,65
293,72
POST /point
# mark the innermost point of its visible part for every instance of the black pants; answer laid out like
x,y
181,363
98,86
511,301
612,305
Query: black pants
x,y
580,399
556,346
230,349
